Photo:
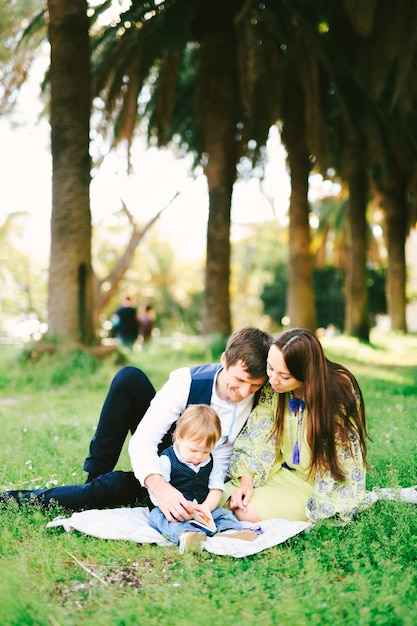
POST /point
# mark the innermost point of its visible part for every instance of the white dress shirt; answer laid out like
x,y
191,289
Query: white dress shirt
x,y
166,407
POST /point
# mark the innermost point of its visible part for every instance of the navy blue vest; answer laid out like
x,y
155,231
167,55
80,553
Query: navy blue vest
x,y
202,379
193,485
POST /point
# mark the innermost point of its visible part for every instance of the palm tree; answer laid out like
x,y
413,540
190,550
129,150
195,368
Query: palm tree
x,y
178,50
300,299
394,203
217,113
394,181
191,56
17,51
390,75
274,41
377,43
357,322
70,298
164,40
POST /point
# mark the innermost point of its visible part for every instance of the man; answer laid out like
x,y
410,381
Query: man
x,y
230,387
127,327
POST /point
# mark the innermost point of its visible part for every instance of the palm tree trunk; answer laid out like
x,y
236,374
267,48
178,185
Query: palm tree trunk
x,y
394,204
300,298
216,110
70,297
357,308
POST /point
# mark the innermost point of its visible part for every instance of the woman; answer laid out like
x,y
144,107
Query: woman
x,y
302,453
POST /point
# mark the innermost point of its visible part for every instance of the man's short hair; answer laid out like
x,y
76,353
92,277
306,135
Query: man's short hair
x,y
250,345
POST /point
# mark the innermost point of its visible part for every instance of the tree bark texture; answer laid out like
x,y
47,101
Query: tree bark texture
x,y
395,211
300,297
70,298
216,110
357,307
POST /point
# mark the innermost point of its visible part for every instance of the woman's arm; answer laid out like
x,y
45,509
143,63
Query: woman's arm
x,y
254,452
242,495
340,499
240,501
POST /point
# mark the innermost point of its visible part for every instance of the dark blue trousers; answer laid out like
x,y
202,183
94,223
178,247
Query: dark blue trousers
x,y
127,400
107,491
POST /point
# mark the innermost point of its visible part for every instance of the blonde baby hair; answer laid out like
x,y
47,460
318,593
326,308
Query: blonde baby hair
x,y
200,423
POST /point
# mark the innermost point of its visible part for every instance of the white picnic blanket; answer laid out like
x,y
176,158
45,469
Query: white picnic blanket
x,y
131,524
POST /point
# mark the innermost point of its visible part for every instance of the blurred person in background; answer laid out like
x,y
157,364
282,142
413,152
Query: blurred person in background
x,y
126,323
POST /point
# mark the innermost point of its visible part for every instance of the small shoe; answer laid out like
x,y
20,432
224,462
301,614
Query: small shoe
x,y
245,534
191,541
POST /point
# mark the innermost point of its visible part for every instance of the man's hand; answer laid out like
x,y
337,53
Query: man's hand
x,y
172,503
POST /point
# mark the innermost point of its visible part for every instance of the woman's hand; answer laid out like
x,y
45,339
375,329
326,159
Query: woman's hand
x,y
242,496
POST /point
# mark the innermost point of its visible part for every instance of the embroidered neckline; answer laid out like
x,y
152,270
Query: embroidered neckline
x,y
296,406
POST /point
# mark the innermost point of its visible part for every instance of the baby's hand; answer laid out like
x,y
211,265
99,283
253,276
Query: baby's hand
x,y
203,511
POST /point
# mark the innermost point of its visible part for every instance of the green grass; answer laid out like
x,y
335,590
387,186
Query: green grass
x,y
362,574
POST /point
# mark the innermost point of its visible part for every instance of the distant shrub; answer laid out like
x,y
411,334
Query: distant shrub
x,y
74,363
329,295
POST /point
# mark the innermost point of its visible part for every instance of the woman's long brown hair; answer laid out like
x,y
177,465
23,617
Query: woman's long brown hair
x,y
332,396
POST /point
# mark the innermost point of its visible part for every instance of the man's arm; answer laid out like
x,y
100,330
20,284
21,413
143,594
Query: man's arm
x,y
172,503
165,496
165,408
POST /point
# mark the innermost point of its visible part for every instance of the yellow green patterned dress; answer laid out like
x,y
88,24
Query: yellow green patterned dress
x,y
282,488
